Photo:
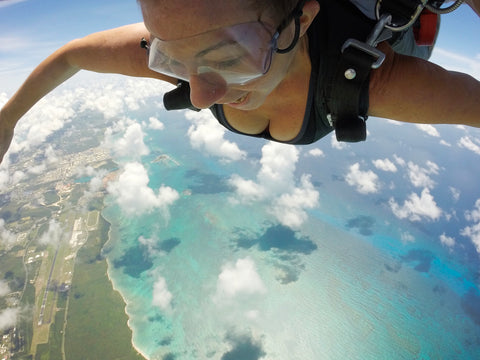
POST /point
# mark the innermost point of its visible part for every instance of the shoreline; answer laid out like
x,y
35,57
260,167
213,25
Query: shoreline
x,y
125,311
115,287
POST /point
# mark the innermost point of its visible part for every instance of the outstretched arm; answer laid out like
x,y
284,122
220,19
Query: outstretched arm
x,y
475,5
111,51
414,90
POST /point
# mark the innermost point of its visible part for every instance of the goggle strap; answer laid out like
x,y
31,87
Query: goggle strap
x,y
295,38
296,13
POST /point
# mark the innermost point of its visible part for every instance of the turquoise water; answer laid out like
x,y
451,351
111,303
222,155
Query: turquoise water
x,y
343,286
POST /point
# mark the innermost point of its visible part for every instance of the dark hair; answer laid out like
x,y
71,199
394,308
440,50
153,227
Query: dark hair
x,y
280,9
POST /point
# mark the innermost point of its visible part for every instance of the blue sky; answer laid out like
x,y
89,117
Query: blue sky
x,y
32,29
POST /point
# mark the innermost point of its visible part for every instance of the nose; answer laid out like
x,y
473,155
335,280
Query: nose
x,y
206,89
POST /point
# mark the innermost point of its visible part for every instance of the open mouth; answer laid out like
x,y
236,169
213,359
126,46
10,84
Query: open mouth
x,y
240,100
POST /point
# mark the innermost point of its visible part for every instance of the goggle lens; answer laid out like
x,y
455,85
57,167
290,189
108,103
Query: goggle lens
x,y
238,53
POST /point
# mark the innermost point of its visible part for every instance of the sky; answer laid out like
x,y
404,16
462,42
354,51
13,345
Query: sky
x,y
30,30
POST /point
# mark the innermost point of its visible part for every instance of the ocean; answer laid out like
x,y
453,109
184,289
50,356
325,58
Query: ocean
x,y
361,274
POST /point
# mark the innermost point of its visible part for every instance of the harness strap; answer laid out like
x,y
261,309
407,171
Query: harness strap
x,y
350,60
351,77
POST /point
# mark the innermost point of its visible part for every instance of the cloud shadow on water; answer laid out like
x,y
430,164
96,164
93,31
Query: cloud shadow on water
x,y
279,237
364,224
204,183
471,305
286,246
244,347
423,259
135,261
168,244
394,267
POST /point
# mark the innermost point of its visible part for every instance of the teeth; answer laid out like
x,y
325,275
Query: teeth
x,y
240,100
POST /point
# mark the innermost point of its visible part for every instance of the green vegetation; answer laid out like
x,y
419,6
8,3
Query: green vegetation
x,y
10,212
96,321
53,350
25,325
51,197
37,213
77,193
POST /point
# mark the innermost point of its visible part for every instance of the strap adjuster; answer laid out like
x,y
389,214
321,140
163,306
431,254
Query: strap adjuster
x,y
366,48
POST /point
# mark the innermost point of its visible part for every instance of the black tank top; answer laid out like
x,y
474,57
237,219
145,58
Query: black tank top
x,y
315,124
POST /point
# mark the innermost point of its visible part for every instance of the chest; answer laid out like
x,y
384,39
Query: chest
x,y
282,114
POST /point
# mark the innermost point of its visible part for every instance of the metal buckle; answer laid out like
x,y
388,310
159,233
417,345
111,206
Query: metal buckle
x,y
378,34
410,22
368,49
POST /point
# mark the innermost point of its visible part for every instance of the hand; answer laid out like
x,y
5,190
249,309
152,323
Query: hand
x,y
6,135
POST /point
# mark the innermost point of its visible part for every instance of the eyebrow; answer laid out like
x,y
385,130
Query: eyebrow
x,y
215,47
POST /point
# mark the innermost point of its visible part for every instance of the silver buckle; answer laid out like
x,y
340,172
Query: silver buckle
x,y
379,33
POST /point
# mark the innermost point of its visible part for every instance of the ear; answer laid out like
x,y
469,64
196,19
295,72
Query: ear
x,y
310,10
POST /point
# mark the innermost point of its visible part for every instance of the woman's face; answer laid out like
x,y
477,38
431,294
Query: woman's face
x,y
183,19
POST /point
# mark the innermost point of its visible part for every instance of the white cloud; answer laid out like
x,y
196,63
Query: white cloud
x,y
278,166
111,98
8,318
316,153
247,189
3,97
239,279
400,161
150,243
457,62
289,208
447,240
162,297
155,124
428,129
337,144
385,165
4,288
119,95
37,169
4,177
419,177
50,155
5,3
455,193
207,134
473,231
416,208
110,102
131,143
53,234
445,143
474,215
48,116
7,237
133,195
276,187
406,237
469,144
365,182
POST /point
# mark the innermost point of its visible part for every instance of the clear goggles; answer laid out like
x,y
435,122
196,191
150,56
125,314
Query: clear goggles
x,y
235,55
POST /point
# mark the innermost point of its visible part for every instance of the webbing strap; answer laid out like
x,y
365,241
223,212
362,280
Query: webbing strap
x,y
351,77
351,59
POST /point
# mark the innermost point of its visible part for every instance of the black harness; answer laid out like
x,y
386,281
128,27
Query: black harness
x,y
358,55
352,54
